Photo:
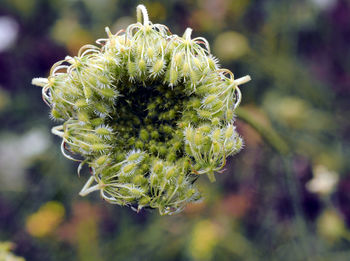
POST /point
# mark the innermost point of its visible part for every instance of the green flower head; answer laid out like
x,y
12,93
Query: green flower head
x,y
148,111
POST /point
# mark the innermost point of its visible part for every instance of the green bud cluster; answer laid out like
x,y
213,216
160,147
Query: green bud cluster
x,y
148,111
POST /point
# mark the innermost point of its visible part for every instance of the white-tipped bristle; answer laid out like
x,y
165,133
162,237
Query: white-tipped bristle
x,y
41,82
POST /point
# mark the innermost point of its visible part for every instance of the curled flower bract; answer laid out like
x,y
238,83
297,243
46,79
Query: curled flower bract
x,y
148,111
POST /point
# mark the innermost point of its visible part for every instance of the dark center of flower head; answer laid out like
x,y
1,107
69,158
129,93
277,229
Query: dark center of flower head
x,y
146,118
148,112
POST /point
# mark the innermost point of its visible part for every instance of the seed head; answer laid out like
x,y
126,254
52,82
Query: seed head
x,y
148,111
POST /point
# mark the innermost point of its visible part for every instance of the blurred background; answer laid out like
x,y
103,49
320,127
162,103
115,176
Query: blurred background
x,y
286,196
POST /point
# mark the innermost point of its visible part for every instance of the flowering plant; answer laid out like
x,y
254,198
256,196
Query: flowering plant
x,y
148,111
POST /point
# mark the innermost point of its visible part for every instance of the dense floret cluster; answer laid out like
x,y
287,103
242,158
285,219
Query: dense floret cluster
x,y
148,111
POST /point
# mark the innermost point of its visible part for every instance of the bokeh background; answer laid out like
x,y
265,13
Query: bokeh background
x,y
286,196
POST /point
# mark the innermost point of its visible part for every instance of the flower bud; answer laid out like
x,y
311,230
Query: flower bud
x,y
216,147
171,157
139,144
186,69
144,200
81,104
108,93
229,131
101,160
170,172
229,115
55,114
144,135
136,192
132,70
198,138
209,99
178,59
155,134
212,63
87,92
99,147
92,138
216,135
196,63
154,180
128,168
142,65
189,133
204,114
83,116
134,156
97,121
215,121
173,76
158,67
103,131
162,150
158,167
150,53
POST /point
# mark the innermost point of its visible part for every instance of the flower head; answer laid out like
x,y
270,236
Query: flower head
x,y
148,111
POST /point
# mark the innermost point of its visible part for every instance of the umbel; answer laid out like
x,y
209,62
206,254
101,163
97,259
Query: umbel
x,y
148,111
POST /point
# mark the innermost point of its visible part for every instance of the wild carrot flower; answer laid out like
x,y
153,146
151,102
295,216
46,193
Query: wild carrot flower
x,y
148,111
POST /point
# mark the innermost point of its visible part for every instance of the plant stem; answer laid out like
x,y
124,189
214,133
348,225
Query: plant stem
x,y
268,134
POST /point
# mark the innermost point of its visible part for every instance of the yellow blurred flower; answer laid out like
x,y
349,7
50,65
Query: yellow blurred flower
x,y
5,252
204,238
69,32
230,46
331,225
43,222
292,111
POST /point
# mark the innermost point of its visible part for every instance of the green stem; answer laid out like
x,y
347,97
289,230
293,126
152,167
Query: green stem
x,y
87,189
292,185
211,176
268,134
